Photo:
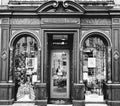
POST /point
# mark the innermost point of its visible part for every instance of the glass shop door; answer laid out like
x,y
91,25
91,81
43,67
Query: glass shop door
x,y
59,77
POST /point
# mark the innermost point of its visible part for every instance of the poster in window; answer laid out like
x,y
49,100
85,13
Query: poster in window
x,y
31,63
91,62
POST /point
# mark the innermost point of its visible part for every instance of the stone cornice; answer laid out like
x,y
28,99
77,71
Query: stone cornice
x,y
38,11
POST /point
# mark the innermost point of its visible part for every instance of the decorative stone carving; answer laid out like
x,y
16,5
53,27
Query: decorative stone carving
x,y
105,32
81,64
25,21
4,55
116,55
61,7
109,66
95,21
60,20
15,31
11,65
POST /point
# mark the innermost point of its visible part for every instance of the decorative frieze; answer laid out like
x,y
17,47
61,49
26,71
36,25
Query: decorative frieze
x,y
105,32
16,31
60,20
95,21
25,21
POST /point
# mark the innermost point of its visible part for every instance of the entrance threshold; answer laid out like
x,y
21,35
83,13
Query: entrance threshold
x,y
32,104
59,105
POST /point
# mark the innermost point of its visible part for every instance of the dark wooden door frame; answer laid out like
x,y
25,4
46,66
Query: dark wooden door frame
x,y
73,54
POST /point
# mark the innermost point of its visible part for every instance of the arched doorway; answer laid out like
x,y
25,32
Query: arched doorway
x,y
24,65
96,68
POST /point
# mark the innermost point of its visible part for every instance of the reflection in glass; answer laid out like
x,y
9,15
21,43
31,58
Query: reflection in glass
x,y
59,74
94,65
25,67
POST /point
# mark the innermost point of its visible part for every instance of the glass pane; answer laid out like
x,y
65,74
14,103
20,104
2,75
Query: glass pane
x,y
60,74
25,62
94,65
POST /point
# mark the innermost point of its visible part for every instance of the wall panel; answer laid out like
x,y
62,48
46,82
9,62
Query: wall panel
x,y
115,41
4,53
0,52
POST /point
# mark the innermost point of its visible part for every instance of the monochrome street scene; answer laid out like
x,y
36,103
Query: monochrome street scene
x,y
59,52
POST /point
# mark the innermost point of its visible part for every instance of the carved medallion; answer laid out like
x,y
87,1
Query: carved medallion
x,y
4,55
116,55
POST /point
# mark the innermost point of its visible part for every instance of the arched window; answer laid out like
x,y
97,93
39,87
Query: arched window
x,y
95,65
94,59
25,66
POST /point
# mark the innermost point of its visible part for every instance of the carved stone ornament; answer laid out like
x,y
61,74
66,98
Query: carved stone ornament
x,y
95,21
4,55
116,55
61,6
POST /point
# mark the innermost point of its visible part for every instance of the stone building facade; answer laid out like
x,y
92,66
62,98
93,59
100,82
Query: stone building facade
x,y
47,46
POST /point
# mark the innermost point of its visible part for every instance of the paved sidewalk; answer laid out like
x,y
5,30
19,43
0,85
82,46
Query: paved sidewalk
x,y
89,99
30,104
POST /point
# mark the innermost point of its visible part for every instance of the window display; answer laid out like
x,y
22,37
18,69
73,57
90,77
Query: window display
x,y
25,62
94,63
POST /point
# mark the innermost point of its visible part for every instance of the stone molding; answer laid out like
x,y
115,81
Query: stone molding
x,y
60,20
25,21
95,21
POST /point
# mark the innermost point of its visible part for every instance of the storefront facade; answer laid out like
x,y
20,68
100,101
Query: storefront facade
x,y
52,47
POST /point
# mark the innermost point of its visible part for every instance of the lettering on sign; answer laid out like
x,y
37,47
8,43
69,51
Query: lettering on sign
x,y
60,20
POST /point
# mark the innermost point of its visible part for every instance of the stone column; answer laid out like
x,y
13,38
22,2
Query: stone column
x,y
39,66
81,65
109,66
11,66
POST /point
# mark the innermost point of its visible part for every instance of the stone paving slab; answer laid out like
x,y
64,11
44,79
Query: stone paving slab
x,y
32,104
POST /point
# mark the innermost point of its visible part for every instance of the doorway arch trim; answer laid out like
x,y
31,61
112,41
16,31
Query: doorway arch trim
x,y
22,32
109,44
95,31
11,46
